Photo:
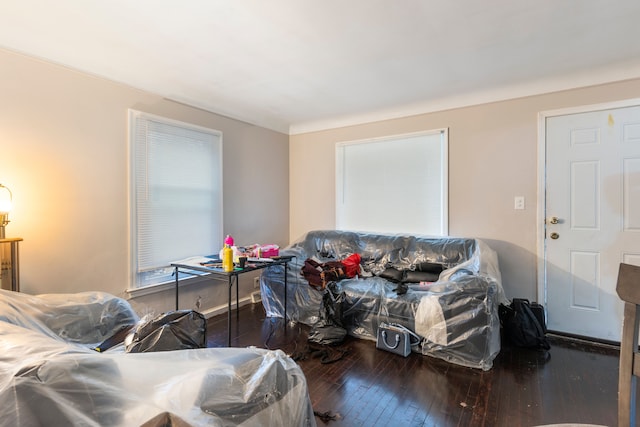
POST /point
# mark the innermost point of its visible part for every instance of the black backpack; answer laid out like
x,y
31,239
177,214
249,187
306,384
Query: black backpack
x,y
524,325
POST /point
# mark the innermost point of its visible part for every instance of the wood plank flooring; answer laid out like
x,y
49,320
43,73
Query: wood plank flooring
x,y
575,382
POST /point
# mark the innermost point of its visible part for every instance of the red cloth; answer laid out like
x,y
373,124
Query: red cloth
x,y
351,265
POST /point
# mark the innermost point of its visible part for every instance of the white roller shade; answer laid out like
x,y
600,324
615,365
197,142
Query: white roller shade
x,y
393,185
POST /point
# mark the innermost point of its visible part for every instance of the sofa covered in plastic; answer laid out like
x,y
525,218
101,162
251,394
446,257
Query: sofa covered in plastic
x,y
50,374
455,315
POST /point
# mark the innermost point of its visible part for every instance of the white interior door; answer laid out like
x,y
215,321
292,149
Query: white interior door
x,y
592,187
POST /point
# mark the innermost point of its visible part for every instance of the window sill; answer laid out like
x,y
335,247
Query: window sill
x,y
160,287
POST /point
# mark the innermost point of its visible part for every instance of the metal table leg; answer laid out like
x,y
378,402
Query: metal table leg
x,y
285,295
176,273
229,313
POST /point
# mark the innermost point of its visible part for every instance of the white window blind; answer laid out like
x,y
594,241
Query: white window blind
x,y
177,192
394,185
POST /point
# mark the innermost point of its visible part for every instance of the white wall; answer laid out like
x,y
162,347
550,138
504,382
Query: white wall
x,y
492,159
63,153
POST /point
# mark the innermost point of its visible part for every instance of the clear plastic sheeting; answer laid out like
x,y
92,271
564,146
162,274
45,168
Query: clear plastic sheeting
x,y
86,318
50,376
176,330
456,316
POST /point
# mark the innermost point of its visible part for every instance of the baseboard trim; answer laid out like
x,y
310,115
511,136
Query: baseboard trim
x,y
584,339
221,309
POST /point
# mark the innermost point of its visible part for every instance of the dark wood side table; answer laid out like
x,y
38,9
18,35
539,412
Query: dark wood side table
x,y
10,264
231,277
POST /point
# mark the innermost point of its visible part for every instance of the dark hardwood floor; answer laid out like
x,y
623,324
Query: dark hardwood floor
x,y
575,382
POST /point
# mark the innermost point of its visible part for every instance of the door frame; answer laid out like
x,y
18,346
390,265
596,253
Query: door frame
x,y
542,196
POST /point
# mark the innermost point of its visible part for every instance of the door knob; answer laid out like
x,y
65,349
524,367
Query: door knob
x,y
554,220
554,235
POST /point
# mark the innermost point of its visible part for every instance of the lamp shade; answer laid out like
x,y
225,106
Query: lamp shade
x,y
5,199
5,206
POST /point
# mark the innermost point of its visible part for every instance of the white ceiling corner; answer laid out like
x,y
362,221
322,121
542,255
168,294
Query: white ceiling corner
x,y
297,66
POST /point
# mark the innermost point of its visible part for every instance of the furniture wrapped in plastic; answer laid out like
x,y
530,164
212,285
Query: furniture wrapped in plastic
x,y
50,373
175,330
456,315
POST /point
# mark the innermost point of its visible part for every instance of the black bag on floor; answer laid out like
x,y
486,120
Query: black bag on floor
x,y
329,329
175,330
523,325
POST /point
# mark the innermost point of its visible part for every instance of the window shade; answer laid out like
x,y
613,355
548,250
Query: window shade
x,y
393,185
177,192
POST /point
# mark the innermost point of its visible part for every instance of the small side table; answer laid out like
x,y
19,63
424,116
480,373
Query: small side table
x,y
232,278
10,264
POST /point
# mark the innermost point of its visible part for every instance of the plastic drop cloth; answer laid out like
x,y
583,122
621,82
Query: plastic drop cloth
x,y
457,316
176,330
50,376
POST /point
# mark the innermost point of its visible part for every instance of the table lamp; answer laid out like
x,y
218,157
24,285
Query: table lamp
x,y
6,204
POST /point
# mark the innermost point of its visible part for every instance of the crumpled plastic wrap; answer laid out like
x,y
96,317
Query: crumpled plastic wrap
x,y
175,330
457,316
50,376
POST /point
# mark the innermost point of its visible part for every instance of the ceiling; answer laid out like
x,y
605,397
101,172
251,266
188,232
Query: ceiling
x,y
304,65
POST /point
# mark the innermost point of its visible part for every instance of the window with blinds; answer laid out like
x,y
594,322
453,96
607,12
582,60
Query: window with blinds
x,y
176,192
397,184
